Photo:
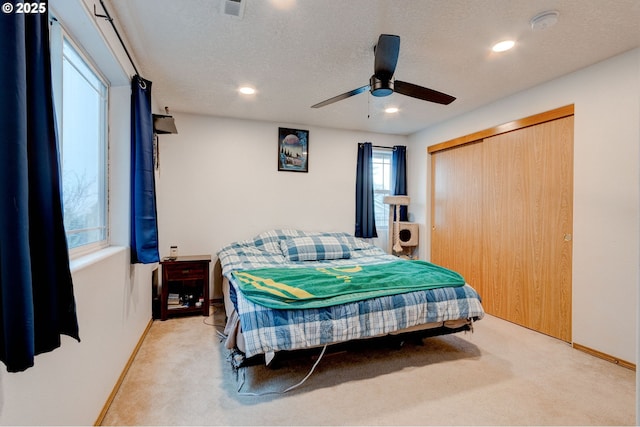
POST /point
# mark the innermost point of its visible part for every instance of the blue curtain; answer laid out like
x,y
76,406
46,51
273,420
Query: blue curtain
x,y
36,291
399,176
365,218
144,219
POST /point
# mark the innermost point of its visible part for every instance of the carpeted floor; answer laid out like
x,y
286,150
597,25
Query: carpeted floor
x,y
501,374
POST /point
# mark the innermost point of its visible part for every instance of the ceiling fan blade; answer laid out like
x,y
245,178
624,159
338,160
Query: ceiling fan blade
x,y
341,97
386,56
423,93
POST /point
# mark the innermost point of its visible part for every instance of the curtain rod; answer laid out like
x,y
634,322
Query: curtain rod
x,y
110,19
379,146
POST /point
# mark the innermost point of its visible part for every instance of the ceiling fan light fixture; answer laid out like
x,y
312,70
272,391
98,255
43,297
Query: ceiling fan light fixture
x,y
246,90
503,46
380,87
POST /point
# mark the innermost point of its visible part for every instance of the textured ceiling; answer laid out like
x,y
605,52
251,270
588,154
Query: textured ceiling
x,y
300,52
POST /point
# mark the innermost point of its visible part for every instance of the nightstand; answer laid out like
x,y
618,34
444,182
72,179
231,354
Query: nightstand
x,y
185,285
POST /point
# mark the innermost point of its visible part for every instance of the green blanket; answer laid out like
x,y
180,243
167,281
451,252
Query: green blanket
x,y
289,288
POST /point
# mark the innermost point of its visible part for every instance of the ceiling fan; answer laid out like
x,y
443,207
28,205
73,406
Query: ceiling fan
x,y
381,83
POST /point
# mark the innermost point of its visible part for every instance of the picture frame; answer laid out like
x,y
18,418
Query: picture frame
x,y
293,150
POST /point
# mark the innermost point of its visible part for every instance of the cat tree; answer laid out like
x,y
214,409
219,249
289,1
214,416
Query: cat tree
x,y
397,245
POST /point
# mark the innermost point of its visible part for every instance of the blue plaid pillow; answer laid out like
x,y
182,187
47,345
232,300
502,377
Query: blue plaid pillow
x,y
314,248
269,241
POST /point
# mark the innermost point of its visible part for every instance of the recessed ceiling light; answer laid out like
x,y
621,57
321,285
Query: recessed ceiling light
x,y
283,4
503,45
247,90
391,110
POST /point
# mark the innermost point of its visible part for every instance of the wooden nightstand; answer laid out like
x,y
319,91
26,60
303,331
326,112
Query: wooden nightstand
x,y
185,285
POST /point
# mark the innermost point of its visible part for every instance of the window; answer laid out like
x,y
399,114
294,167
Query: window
x,y
80,95
381,186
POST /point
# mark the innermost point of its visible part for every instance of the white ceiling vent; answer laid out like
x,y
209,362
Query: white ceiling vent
x,y
233,8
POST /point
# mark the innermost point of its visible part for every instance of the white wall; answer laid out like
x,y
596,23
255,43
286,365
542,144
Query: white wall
x,y
219,182
606,190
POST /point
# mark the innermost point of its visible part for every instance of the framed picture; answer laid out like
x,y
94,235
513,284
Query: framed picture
x,y
293,150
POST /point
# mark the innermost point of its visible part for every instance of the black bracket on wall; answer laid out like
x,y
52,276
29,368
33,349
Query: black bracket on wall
x,y
108,17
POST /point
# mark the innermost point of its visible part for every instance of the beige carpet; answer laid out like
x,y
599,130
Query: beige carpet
x,y
501,374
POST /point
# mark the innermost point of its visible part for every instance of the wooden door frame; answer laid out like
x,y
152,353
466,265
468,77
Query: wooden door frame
x,y
558,113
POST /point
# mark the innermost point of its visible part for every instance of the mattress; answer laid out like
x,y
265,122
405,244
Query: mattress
x,y
255,329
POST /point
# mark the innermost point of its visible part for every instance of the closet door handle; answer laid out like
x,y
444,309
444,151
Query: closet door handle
x,y
568,237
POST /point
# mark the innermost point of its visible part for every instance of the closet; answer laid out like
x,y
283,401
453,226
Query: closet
x,y
502,216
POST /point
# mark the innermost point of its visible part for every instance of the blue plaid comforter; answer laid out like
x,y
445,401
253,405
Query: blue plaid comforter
x,y
270,330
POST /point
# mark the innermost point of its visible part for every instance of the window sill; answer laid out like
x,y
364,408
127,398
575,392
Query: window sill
x,y
94,257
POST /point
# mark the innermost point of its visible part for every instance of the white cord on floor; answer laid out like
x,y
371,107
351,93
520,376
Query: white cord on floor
x,y
288,389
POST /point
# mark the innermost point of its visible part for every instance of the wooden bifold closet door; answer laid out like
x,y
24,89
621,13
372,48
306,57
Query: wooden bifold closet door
x,y
502,215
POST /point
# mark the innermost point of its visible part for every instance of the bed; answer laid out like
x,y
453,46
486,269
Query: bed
x,y
288,316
